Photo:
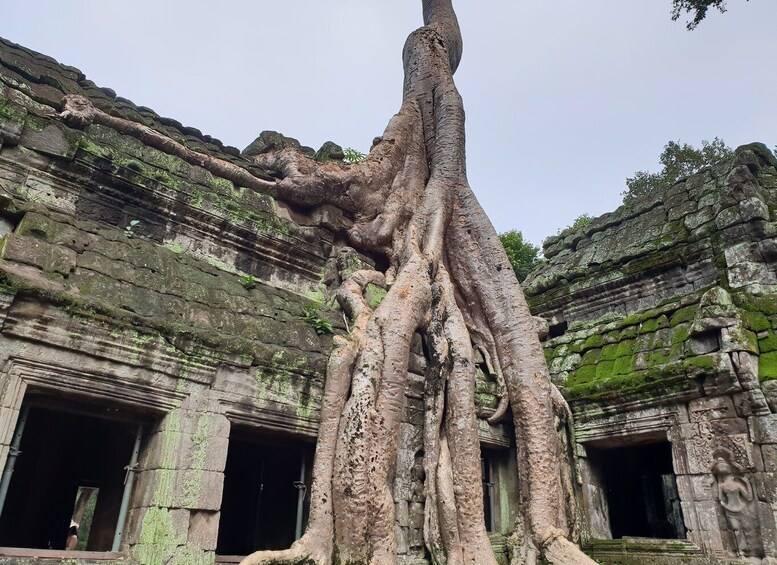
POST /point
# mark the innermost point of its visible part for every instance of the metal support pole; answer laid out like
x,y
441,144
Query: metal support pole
x,y
302,488
129,481
491,506
13,453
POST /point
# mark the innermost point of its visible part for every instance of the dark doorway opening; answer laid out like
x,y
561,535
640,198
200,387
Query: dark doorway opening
x,y
70,468
642,492
266,494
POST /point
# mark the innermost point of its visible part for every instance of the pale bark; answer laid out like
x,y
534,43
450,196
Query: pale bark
x,y
450,279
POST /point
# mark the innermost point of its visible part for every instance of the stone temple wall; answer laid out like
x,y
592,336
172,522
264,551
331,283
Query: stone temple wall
x,y
663,320
134,280
142,287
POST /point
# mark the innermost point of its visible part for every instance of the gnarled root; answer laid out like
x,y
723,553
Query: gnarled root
x,y
561,551
450,279
316,545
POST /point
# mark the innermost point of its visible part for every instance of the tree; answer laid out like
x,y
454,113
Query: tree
x,y
679,161
522,254
698,8
448,278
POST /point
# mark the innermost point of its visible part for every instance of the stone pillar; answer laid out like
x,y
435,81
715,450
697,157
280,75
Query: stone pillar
x,y
763,431
409,483
594,494
175,510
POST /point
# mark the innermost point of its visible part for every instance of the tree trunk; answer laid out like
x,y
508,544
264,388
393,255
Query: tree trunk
x,y
448,278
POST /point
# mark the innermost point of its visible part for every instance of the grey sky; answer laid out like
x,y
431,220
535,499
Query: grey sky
x,y
564,99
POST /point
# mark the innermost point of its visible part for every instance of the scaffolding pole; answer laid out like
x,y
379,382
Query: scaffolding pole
x,y
302,491
13,453
129,481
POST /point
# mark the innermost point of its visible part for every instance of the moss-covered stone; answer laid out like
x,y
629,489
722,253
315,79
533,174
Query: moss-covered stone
x,y
591,357
584,374
658,358
683,315
768,344
592,341
626,348
270,141
767,366
609,353
681,334
703,362
756,321
611,337
329,151
765,304
122,282
623,365
604,369
629,332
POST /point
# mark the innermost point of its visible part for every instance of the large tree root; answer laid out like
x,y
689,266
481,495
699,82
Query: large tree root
x,y
449,279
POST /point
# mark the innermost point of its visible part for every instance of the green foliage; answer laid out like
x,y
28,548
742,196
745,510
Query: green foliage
x,y
679,161
523,255
248,282
129,230
578,224
353,156
310,315
697,8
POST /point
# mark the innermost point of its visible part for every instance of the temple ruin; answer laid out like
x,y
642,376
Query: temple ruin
x,y
662,319
165,332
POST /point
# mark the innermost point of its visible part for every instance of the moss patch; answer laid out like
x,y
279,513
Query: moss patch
x,y
767,366
756,321
374,295
592,341
766,304
683,315
768,343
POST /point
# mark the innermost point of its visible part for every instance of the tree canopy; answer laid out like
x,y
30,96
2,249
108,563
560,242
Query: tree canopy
x,y
679,160
696,8
523,255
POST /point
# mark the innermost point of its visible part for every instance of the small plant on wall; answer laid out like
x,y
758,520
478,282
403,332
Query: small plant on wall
x,y
311,315
248,282
129,230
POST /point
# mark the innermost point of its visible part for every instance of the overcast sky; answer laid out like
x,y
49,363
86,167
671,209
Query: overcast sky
x,y
564,99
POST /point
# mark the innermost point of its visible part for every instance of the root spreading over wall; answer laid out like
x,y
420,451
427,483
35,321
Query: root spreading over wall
x,y
448,278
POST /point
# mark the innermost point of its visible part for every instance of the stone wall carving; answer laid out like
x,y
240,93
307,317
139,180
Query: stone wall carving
x,y
737,499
